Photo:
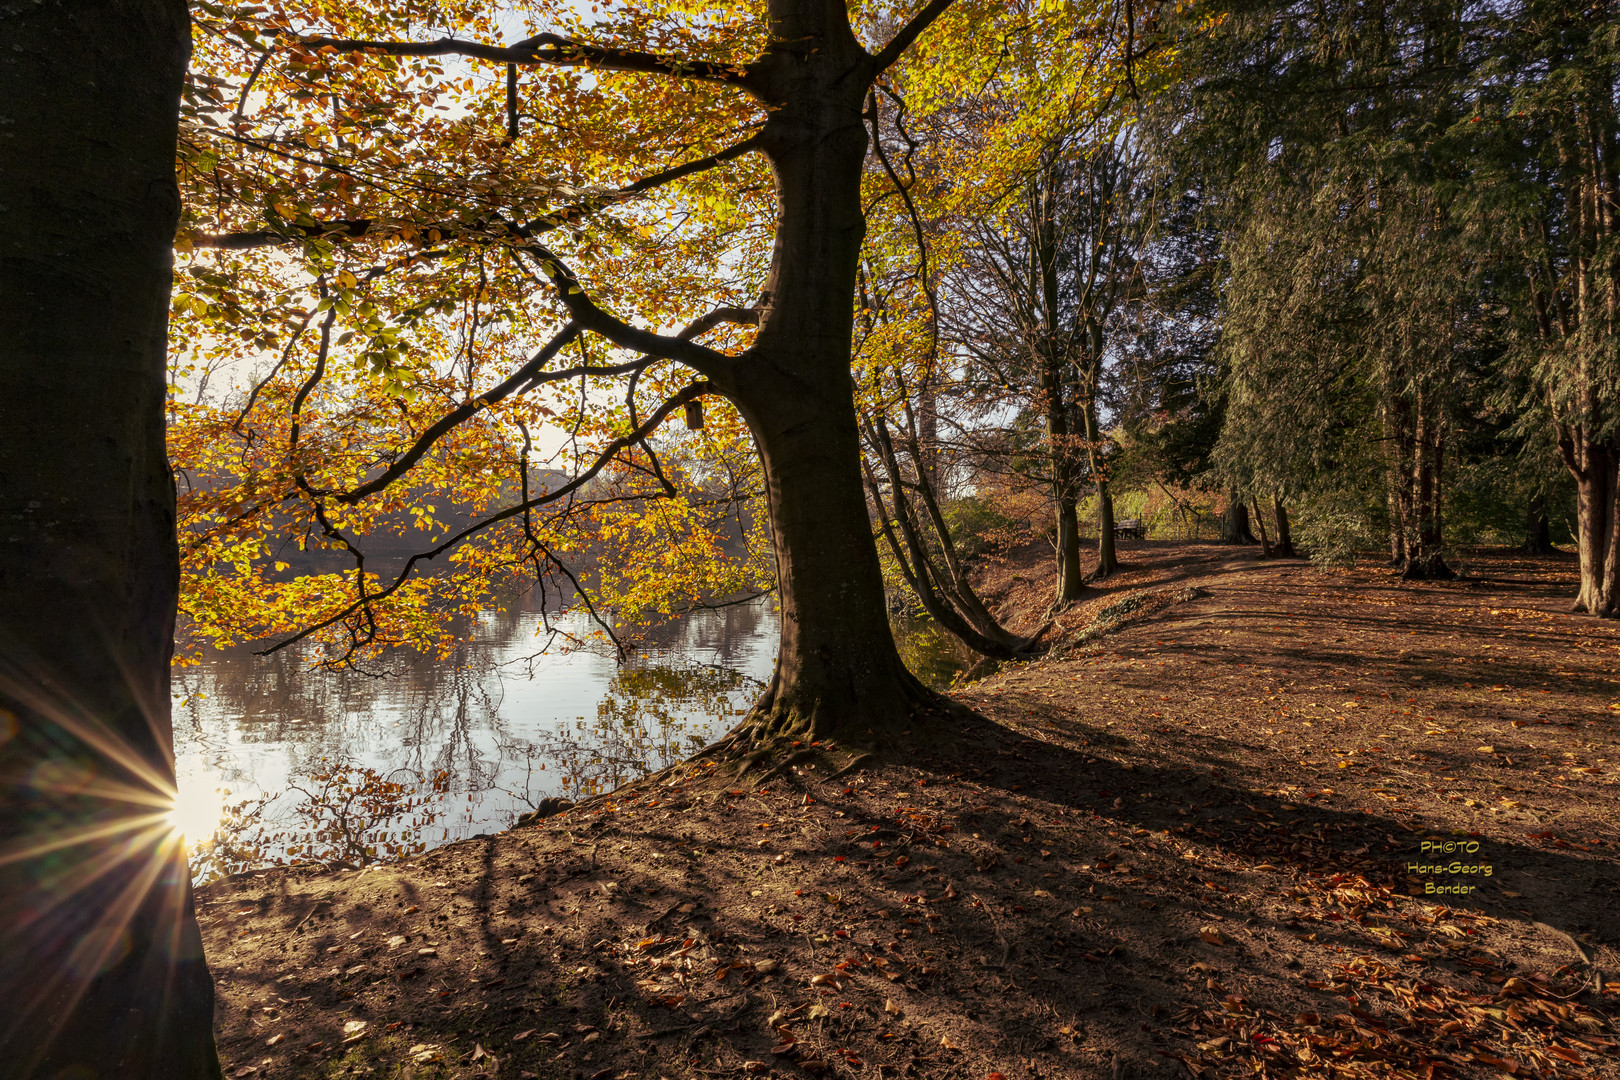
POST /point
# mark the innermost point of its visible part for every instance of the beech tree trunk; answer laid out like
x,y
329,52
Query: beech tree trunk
x,y
101,966
837,668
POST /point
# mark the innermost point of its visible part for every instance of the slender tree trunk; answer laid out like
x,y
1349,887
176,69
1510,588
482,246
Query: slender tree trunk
x,y
1397,539
1260,523
1398,437
1425,559
1107,560
1582,393
101,966
940,584
1285,533
1059,437
1070,579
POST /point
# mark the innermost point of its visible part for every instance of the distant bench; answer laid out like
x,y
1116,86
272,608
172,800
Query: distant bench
x,y
1130,529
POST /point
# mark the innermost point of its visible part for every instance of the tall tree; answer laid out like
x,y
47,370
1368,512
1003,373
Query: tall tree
x,y
793,79
103,973
1546,131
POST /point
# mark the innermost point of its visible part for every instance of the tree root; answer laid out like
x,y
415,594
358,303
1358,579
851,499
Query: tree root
x,y
781,767
859,760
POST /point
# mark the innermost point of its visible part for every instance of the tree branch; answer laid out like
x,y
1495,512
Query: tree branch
x,y
548,49
357,228
908,34
520,380
607,454
353,228
705,361
644,185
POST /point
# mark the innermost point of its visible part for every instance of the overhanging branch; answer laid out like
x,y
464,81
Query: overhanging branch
x,y
522,379
548,49
584,311
607,454
358,228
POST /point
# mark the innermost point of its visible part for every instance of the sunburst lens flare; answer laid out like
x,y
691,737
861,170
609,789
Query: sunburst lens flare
x,y
196,812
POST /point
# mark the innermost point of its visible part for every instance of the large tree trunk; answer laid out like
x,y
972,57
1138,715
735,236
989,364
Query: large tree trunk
x,y
837,664
837,668
101,967
1235,521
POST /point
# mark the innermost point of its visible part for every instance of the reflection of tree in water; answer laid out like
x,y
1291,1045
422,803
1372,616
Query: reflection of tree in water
x,y
727,631
447,715
930,653
269,724
651,717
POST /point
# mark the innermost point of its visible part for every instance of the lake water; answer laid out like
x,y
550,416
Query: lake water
x,y
277,761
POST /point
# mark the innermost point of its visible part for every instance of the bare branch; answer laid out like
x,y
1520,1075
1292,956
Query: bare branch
x,y
702,359
548,49
908,34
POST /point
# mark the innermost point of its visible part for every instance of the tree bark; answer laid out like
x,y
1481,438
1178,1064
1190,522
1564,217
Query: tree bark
x,y
837,667
1285,532
1425,559
1107,560
941,584
1235,522
1537,527
1596,468
103,973
1053,370
1070,580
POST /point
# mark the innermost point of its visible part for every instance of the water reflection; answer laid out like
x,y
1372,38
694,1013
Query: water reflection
x,y
277,761
930,653
506,723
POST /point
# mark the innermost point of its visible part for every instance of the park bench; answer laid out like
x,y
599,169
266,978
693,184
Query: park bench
x,y
1129,529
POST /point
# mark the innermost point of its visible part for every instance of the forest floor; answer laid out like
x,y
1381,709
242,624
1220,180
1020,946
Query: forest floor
x,y
1195,839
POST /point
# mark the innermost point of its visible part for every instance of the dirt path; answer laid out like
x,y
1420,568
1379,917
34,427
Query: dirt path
x,y
1182,847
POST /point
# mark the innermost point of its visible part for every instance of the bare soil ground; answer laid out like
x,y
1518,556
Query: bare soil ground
x,y
1195,839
